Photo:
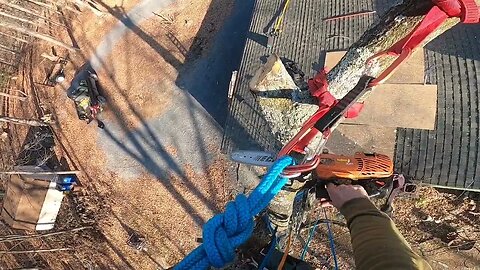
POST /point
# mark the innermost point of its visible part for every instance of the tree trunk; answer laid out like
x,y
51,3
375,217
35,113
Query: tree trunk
x,y
20,121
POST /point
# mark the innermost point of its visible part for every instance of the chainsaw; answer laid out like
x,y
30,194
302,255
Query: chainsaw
x,y
373,171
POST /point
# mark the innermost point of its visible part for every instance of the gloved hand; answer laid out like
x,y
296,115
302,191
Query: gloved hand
x,y
341,194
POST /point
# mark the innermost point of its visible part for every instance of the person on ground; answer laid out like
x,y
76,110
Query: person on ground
x,y
376,241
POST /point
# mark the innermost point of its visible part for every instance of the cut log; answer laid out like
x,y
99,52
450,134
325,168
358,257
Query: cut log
x,y
41,36
410,72
28,11
13,96
21,121
272,77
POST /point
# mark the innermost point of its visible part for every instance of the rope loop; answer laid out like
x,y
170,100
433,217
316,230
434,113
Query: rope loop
x,y
225,232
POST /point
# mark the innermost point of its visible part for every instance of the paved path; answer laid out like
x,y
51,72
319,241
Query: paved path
x,y
191,124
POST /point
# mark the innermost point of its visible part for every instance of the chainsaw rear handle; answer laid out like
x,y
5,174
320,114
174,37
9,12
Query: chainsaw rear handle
x,y
389,190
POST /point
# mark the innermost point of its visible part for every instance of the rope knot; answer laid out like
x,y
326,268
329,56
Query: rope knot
x,y
225,232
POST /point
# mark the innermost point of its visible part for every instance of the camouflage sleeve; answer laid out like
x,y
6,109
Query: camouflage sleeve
x,y
377,243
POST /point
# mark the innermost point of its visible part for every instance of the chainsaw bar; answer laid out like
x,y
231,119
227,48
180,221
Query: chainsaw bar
x,y
256,158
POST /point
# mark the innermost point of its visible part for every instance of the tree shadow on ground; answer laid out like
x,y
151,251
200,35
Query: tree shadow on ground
x,y
143,144
206,78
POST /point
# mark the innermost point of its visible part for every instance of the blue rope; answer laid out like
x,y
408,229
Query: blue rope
x,y
330,238
310,237
223,233
268,256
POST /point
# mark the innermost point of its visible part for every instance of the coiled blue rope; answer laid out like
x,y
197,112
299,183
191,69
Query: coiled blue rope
x,y
223,233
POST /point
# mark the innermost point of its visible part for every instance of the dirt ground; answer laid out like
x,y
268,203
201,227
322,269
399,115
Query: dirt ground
x,y
442,227
169,210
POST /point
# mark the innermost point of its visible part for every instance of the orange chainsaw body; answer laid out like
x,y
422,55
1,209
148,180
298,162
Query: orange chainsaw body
x,y
361,166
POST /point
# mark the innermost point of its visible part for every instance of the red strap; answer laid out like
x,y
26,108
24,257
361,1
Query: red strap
x,y
318,87
467,10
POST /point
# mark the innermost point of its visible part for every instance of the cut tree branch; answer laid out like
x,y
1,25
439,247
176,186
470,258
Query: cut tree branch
x,y
21,121
37,35
13,96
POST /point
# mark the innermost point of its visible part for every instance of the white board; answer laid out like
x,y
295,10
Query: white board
x,y
50,208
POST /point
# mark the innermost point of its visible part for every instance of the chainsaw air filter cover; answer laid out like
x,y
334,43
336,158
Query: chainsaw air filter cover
x,y
358,167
